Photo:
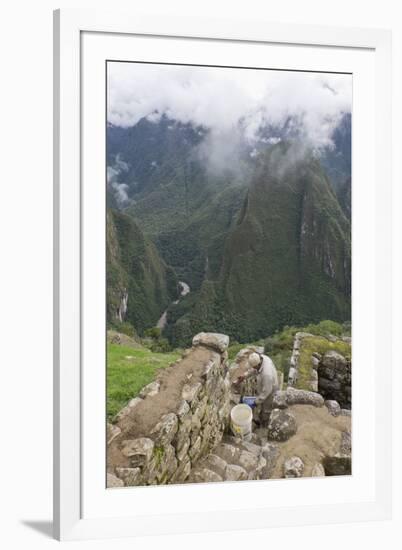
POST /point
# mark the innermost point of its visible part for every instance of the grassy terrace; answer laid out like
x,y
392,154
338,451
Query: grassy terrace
x,y
129,370
321,345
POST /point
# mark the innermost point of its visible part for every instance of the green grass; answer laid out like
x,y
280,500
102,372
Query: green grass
x,y
129,370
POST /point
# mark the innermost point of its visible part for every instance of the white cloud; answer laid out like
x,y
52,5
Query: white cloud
x,y
119,188
229,102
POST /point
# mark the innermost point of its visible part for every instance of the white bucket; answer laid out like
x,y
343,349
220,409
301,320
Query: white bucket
x,y
241,417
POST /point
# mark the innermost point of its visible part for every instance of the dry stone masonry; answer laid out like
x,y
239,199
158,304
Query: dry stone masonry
x,y
179,438
335,379
177,429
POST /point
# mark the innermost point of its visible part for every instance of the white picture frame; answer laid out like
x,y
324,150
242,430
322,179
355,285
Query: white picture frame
x,y
82,509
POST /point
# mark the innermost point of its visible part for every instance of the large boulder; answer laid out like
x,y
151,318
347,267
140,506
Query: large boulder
x,y
214,340
303,397
282,425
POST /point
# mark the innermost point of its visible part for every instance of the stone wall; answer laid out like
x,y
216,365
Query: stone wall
x,y
335,379
165,450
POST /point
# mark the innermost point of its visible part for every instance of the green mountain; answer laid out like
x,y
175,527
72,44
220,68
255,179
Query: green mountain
x,y
261,246
286,260
139,283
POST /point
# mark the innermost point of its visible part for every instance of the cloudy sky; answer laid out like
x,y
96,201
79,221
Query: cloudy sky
x,y
224,100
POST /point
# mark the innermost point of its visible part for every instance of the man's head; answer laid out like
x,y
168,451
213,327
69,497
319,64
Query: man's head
x,y
254,360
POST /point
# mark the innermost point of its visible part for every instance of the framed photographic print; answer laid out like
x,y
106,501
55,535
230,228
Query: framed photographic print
x,y
222,238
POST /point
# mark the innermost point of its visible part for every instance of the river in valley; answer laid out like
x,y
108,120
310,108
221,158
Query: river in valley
x,y
185,289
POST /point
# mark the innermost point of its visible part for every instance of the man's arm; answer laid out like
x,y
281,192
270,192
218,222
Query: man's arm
x,y
247,374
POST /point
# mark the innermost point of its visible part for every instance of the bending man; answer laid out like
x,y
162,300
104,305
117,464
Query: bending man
x,y
267,385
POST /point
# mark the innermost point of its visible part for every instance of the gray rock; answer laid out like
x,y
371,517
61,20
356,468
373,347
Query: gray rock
x,y
216,341
335,378
130,476
125,411
182,472
314,375
282,425
333,407
182,451
235,473
261,467
217,464
165,430
333,359
303,397
183,409
346,442
315,362
171,461
346,412
279,400
113,481
195,449
228,452
251,448
204,475
150,390
292,376
139,451
293,467
248,461
208,369
112,432
340,463
270,452
191,391
318,470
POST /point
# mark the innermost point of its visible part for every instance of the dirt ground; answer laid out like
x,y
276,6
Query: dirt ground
x,y
318,434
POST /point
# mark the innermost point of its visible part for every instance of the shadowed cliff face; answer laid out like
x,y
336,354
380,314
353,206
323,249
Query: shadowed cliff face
x,y
139,284
288,259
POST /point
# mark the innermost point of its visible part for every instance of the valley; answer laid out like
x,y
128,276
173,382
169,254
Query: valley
x,y
262,247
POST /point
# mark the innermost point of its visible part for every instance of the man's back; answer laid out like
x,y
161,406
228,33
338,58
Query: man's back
x,y
267,378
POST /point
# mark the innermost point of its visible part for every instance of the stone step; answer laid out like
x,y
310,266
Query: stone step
x,y
234,460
